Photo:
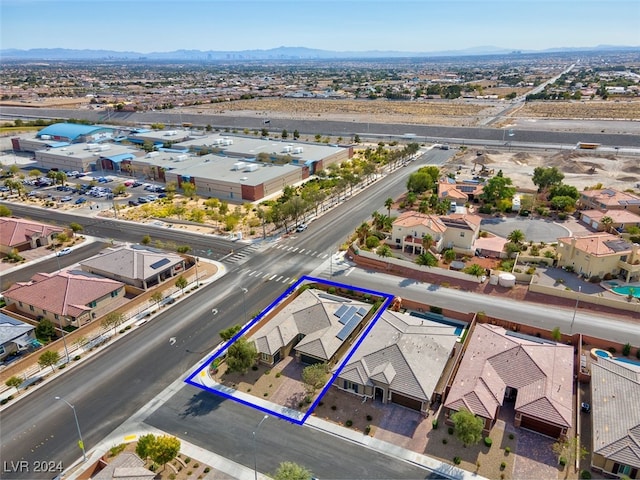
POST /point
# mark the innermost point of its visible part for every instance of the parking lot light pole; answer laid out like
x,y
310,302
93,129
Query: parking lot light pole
x,y
75,416
255,455
244,303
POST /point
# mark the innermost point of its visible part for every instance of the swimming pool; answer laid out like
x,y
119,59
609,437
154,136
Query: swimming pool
x,y
634,291
624,360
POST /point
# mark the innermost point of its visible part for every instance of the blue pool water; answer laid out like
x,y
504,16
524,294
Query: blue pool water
x,y
602,353
458,331
627,291
624,360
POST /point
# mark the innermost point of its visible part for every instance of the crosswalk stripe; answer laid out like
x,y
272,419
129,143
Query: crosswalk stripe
x,y
274,276
279,278
314,253
324,255
296,249
292,280
301,251
285,280
251,274
266,275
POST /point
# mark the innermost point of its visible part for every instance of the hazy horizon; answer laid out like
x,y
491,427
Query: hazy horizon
x,y
148,26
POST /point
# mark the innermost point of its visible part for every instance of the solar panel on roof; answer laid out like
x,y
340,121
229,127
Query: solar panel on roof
x,y
341,310
159,263
362,311
349,327
348,314
347,318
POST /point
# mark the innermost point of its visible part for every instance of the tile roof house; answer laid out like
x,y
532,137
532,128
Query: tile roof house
x,y
461,192
127,466
599,254
615,417
620,219
609,199
136,265
314,325
400,360
15,336
66,297
500,366
24,234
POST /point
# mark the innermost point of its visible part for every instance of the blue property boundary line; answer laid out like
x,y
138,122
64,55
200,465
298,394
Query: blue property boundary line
x,y
298,421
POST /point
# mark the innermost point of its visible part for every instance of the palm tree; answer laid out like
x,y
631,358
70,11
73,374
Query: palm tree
x,y
475,269
388,203
516,236
427,242
426,259
384,251
363,232
606,222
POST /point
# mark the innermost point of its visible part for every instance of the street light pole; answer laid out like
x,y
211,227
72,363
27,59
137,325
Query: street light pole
x,y
75,416
64,307
244,303
575,310
255,455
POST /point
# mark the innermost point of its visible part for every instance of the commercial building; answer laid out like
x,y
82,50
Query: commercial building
x,y
86,157
62,134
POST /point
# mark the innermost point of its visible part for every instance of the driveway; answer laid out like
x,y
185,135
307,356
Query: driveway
x,y
534,229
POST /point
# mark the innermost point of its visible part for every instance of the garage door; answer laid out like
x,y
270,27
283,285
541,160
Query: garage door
x,y
411,403
540,427
307,360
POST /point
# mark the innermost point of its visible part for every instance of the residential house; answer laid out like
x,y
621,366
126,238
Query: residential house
x,y
505,369
137,265
400,360
459,192
15,336
21,234
127,465
615,418
66,297
600,254
620,219
461,232
609,199
314,326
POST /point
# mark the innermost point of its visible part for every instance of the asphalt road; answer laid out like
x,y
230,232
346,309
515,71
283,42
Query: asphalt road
x,y
473,135
110,387
225,427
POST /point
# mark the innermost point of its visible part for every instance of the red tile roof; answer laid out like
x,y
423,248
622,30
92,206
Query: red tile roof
x,y
17,231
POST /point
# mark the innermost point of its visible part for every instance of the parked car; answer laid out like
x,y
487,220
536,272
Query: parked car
x,y
143,200
64,251
136,184
585,407
66,198
81,200
133,203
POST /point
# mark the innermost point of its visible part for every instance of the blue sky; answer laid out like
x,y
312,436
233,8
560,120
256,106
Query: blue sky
x,y
342,25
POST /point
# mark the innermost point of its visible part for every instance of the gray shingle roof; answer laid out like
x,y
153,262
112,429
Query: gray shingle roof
x,y
407,353
132,262
615,406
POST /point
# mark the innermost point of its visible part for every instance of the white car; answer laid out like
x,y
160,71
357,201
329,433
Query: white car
x,y
301,228
64,251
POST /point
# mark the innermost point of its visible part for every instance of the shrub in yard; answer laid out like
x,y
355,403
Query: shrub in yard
x,y
445,441
369,418
585,474
457,460
612,350
503,465
434,424
488,441
254,368
77,357
450,430
562,461
187,460
507,450
367,430
348,423
278,375
511,436
267,372
207,470
333,407
626,350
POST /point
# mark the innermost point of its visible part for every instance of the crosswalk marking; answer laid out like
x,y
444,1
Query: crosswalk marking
x,y
251,274
301,251
279,278
296,249
273,276
266,275
285,280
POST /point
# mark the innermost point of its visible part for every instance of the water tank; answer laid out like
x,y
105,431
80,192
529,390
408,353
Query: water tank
x,y
91,146
238,165
507,280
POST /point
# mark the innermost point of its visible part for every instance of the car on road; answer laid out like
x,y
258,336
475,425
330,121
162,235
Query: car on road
x,y
64,251
585,407
301,228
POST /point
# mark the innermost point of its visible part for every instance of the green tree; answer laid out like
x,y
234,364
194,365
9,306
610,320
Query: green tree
x,y
426,259
296,134
606,222
45,331
284,134
241,356
544,177
363,231
384,251
165,449
189,189
146,240
181,283
228,333
563,203
113,320
563,190
5,211
516,236
569,449
314,377
475,270
75,227
498,188
388,203
49,359
449,255
292,471
467,427
556,334
427,242
157,297
146,444
14,382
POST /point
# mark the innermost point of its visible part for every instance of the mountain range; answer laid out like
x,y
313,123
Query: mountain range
x,y
279,53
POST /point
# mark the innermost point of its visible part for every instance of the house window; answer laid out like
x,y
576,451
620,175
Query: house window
x,y
114,293
265,357
397,240
20,303
2,350
350,386
31,308
93,304
462,234
55,315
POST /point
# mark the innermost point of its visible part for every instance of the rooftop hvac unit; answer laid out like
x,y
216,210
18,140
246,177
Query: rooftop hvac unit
x,y
227,141
91,146
251,168
104,148
238,165
181,158
298,150
170,133
287,148
217,141
244,179
152,154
